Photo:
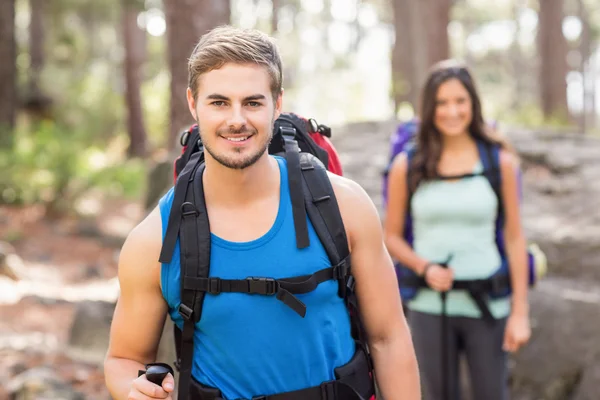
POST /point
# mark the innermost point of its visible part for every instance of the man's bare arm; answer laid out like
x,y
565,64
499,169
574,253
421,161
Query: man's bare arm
x,y
140,312
378,295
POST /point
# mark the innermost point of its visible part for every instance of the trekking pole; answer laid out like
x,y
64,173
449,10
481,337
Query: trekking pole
x,y
156,373
445,345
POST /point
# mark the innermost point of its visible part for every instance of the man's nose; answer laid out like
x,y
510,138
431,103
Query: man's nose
x,y
236,119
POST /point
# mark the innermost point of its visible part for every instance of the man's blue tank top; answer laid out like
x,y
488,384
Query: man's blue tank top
x,y
249,345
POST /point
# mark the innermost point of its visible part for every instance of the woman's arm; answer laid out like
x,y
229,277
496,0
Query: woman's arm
x,y
396,216
518,330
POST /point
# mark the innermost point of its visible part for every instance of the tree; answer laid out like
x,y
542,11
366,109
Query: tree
x,y
436,17
187,20
8,72
276,5
552,48
421,41
135,53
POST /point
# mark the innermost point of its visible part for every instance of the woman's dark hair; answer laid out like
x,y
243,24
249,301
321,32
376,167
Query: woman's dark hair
x,y
429,139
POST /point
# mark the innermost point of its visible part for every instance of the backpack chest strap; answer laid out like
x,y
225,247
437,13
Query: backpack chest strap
x,y
284,289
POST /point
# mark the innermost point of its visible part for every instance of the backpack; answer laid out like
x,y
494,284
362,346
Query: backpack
x,y
402,140
498,285
312,195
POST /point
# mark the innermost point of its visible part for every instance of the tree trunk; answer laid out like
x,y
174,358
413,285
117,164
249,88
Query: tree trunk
x,y
275,15
585,50
436,17
552,47
8,73
135,53
420,42
36,46
516,55
187,21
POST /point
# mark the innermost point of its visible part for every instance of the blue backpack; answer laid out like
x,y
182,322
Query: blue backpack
x,y
496,286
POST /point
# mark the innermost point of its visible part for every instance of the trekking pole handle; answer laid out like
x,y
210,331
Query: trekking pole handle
x,y
157,372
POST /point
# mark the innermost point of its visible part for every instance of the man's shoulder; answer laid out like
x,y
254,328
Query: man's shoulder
x,y
353,200
347,190
141,249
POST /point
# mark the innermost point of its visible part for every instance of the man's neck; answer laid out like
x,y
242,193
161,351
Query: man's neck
x,y
227,186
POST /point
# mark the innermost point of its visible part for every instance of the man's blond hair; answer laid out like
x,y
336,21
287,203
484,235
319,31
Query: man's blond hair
x,y
226,44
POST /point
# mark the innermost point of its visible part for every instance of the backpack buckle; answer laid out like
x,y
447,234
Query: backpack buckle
x,y
185,312
328,390
188,209
214,285
264,286
288,132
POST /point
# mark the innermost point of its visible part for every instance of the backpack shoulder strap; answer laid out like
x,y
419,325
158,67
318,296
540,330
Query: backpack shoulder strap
x,y
322,208
292,156
195,263
324,213
489,155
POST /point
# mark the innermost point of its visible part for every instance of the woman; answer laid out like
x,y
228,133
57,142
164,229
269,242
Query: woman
x,y
453,209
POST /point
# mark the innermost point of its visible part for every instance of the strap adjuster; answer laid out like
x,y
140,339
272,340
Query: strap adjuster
x,y
288,132
185,312
264,286
328,390
214,285
340,271
188,209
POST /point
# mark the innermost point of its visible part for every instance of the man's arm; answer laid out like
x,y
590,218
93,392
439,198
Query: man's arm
x,y
139,315
378,295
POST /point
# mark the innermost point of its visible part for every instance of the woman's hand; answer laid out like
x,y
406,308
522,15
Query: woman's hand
x,y
517,332
439,278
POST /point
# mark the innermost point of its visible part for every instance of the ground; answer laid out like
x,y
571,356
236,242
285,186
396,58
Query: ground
x,y
64,260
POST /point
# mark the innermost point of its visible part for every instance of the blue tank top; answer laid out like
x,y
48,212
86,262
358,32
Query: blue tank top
x,y
249,345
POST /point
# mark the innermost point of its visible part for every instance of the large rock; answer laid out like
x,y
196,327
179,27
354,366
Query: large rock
x,y
11,264
561,188
41,383
89,335
563,359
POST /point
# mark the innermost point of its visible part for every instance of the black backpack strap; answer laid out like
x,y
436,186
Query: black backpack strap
x,y
325,216
292,156
490,159
322,208
181,188
195,263
302,130
284,289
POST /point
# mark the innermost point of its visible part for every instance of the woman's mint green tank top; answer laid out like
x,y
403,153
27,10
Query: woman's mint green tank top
x,y
457,218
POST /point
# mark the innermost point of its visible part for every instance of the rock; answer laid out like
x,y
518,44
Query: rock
x,y
89,335
11,264
41,383
563,354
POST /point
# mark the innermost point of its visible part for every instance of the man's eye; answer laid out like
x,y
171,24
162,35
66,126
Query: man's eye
x,y
218,103
254,104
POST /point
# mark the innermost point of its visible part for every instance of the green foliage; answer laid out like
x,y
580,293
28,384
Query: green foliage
x,y
56,166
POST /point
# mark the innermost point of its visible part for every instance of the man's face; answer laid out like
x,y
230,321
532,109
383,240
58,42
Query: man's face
x,y
235,112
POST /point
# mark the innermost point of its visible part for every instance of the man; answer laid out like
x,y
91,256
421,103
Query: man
x,y
249,345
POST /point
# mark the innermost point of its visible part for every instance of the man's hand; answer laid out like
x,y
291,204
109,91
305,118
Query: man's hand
x,y
439,278
143,389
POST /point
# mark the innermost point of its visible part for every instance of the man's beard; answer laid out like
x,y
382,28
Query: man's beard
x,y
238,163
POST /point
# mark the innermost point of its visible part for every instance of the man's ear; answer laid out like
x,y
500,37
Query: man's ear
x,y
191,103
278,104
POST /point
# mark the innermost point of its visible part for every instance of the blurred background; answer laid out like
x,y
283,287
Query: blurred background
x,y
92,101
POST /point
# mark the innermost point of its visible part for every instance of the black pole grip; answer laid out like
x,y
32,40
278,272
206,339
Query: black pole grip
x,y
156,373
